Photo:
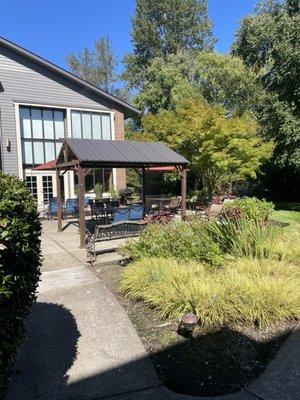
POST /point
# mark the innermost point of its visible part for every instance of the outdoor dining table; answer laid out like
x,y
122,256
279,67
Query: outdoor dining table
x,y
160,201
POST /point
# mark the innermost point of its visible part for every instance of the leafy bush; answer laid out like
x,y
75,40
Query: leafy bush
x,y
183,241
209,242
19,266
251,208
247,291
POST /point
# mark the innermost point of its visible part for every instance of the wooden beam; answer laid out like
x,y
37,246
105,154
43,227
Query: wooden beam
x,y
143,186
68,164
183,192
82,226
59,201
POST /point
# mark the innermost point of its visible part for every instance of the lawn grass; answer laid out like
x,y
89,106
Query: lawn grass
x,y
289,213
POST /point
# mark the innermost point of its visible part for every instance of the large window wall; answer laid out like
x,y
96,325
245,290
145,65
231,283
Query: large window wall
x,y
41,132
91,125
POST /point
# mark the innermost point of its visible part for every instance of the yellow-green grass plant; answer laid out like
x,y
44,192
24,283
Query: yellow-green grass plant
x,y
245,292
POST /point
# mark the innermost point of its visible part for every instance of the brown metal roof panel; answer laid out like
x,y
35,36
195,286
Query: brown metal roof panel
x,y
124,152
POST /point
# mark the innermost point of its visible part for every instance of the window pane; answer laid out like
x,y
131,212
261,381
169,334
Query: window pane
x,y
25,122
106,127
48,124
59,124
27,153
38,152
76,124
58,147
37,128
49,151
86,126
96,123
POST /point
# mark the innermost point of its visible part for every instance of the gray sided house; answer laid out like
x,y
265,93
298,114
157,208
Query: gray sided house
x,y
40,104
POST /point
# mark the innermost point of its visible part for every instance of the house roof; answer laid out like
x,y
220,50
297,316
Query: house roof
x,y
111,153
129,110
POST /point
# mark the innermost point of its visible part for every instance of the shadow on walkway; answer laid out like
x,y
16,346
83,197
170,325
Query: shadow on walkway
x,y
41,370
44,359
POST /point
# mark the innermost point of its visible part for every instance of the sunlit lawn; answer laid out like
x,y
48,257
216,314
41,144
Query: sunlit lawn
x,y
288,213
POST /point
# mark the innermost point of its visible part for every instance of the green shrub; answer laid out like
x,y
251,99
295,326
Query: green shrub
x,y
209,242
19,266
252,208
183,241
246,292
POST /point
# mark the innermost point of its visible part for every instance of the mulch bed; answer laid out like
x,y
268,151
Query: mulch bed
x,y
209,364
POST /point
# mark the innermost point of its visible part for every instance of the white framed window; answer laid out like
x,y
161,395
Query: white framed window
x,y
41,132
90,125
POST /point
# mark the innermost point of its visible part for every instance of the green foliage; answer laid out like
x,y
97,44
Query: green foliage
x,y
246,238
98,191
221,150
222,80
19,265
268,41
246,292
96,65
178,240
252,208
210,242
163,28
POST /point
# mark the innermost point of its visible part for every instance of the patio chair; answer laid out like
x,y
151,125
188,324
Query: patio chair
x,y
121,214
52,208
173,206
71,207
136,212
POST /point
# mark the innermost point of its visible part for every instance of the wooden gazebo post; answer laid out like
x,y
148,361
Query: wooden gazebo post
x,y
183,191
143,186
82,225
59,202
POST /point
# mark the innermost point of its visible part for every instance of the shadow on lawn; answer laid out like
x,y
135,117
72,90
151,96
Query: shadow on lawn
x,y
213,364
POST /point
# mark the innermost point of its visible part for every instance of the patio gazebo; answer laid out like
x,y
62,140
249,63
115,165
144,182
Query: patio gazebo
x,y
83,155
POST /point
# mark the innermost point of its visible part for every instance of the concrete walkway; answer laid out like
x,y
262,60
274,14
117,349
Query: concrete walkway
x,y
82,346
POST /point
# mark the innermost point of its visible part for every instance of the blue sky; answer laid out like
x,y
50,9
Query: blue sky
x,y
54,28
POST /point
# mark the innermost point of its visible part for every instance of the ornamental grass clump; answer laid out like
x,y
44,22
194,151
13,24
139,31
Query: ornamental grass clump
x,y
245,292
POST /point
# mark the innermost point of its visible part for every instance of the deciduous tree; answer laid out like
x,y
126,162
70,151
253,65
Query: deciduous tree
x,y
165,27
222,150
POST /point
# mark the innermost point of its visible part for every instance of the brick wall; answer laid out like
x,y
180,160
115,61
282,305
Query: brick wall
x,y
119,135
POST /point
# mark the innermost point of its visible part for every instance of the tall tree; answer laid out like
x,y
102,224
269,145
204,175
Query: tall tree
x,y
221,79
166,27
268,41
96,65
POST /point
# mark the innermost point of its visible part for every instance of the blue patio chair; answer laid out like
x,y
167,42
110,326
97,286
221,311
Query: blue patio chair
x,y
71,207
136,212
121,214
87,201
52,207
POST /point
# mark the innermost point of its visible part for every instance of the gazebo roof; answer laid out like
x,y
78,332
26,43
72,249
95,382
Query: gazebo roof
x,y
111,153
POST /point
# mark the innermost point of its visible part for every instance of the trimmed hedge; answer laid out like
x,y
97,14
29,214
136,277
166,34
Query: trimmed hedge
x,y
20,259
